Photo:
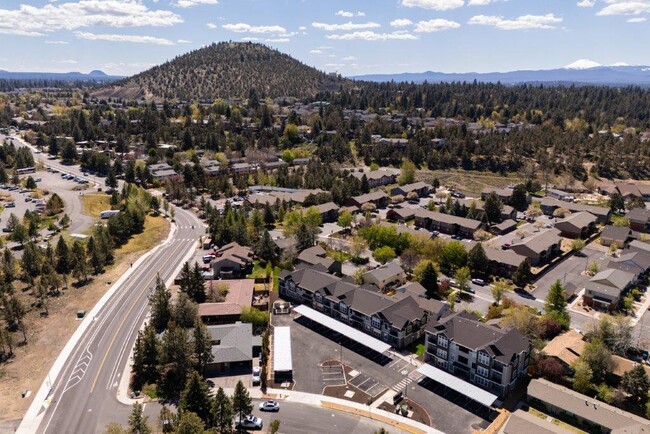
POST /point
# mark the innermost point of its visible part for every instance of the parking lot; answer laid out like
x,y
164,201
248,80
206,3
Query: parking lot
x,y
313,345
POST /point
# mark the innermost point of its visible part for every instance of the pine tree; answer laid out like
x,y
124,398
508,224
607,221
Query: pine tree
x,y
31,264
555,305
265,248
138,421
63,265
222,413
160,305
242,404
95,256
477,260
636,383
176,361
522,274
493,207
429,280
202,345
189,423
80,268
184,311
196,397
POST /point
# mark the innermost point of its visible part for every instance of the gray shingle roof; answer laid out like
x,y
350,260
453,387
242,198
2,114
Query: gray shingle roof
x,y
235,342
616,278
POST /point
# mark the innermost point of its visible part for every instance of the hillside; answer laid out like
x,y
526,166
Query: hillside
x,y
224,70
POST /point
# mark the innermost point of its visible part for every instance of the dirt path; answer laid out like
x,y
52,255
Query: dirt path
x,y
47,337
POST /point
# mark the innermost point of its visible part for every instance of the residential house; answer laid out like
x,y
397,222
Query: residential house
x,y
549,205
503,263
507,212
639,246
446,223
435,309
628,191
505,227
232,348
329,212
578,225
492,358
588,413
316,255
566,348
397,320
504,193
241,168
238,297
274,165
620,236
524,422
539,248
377,178
644,189
400,214
377,198
560,195
637,263
604,290
422,189
286,247
232,261
385,277
639,219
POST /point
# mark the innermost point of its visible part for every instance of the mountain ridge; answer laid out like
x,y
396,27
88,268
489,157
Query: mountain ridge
x,y
602,74
94,75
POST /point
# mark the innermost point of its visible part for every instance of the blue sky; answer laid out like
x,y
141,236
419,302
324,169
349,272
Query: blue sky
x,y
352,37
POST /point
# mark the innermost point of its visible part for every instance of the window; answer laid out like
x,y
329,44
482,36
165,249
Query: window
x,y
480,370
292,285
376,322
442,341
343,308
441,363
318,297
441,353
483,359
482,381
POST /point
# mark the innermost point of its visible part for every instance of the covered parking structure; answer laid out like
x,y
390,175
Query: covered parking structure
x,y
282,359
352,334
482,399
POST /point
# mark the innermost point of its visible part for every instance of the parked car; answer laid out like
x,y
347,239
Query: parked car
x,y
10,205
435,233
270,405
5,229
249,422
479,282
28,199
256,375
505,246
457,237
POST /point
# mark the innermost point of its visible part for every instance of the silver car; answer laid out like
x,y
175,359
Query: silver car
x,y
270,405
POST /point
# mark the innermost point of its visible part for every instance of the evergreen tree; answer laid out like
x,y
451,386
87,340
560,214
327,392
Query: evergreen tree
x,y
184,311
522,274
636,383
222,413
80,267
189,423
269,218
111,180
63,265
31,264
242,404
95,256
304,238
265,248
176,361
365,187
146,355
555,305
493,207
477,260
138,421
160,305
429,280
196,397
519,198
202,345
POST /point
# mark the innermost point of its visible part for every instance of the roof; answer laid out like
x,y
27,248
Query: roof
x,y
282,359
522,422
316,255
369,197
501,192
231,342
539,242
567,347
240,291
575,207
448,219
412,187
385,273
639,246
506,257
461,386
578,220
327,207
219,309
616,233
344,329
615,278
505,225
632,262
583,406
465,330
639,215
373,174
311,279
628,189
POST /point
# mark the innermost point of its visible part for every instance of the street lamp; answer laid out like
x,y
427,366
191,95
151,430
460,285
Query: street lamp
x,y
405,373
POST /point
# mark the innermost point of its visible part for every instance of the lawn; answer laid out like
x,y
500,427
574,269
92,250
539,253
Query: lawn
x,y
94,204
338,255
260,272
418,348
155,230
620,220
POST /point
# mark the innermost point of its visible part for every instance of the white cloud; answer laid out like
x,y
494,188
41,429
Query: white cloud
x,y
190,3
302,28
269,40
401,22
624,7
523,22
183,41
316,52
479,2
436,25
121,68
334,65
123,38
437,5
586,3
345,26
372,36
247,28
637,20
349,58
30,20
66,62
57,42
211,26
348,14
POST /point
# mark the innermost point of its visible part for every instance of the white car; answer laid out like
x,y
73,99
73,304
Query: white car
x,y
270,405
256,375
249,422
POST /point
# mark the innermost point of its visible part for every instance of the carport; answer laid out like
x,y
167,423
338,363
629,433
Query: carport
x,y
462,387
343,329
282,360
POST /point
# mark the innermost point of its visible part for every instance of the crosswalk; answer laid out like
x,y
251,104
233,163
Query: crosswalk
x,y
413,377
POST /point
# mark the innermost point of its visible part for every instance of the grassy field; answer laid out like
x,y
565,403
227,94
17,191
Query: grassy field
x,y
155,230
94,204
259,271
469,181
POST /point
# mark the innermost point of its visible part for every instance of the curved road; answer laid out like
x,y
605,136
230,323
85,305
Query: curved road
x,y
87,384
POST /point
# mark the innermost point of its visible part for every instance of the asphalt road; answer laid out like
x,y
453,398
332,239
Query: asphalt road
x,y
87,385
